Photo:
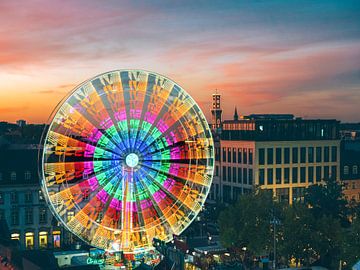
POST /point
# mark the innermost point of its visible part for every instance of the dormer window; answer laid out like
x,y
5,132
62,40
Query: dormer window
x,y
27,175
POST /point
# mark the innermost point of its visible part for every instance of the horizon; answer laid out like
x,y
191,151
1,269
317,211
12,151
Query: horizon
x,y
263,57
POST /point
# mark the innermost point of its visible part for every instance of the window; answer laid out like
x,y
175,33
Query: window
x,y
333,172
311,174
13,176
294,175
251,156
224,174
43,239
302,154
326,154
229,154
318,174
239,155
311,154
270,156
261,156
278,175
29,216
1,198
318,154
27,175
245,156
1,177
286,175
261,176
234,175
41,197
224,154
216,170
229,174
13,197
15,236
270,176
326,172
42,215
286,155
346,170
56,239
2,214
333,153
217,154
250,176
245,176
295,154
28,197
278,155
14,216
302,175
239,175
29,240
355,169
234,155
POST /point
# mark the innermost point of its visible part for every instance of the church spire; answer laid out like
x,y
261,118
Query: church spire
x,y
236,116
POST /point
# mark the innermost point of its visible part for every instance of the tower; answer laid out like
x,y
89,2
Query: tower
x,y
216,112
236,116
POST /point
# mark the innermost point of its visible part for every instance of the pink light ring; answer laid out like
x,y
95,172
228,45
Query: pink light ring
x,y
88,168
95,135
175,153
102,196
149,117
89,150
93,183
157,196
174,168
116,204
106,123
135,114
120,115
145,204
162,126
168,183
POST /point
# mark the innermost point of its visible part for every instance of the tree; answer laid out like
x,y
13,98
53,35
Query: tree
x,y
326,199
351,244
298,234
247,223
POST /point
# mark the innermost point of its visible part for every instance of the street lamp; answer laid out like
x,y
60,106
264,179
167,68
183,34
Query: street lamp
x,y
274,222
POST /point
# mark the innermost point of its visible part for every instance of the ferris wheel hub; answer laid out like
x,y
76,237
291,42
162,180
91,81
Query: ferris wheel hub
x,y
132,160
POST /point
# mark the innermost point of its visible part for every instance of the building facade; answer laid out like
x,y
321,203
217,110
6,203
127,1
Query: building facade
x,y
350,169
276,152
22,204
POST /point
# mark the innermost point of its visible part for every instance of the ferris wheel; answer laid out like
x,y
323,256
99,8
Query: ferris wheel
x,y
128,157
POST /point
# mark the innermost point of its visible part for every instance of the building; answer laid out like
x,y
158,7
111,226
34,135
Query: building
x,y
22,204
350,169
277,152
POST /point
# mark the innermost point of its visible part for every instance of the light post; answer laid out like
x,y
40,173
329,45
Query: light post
x,y
274,222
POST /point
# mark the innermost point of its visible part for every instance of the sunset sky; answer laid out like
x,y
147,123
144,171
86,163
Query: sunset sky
x,y
300,57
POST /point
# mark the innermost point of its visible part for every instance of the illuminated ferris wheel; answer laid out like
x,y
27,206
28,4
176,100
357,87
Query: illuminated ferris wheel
x,y
128,157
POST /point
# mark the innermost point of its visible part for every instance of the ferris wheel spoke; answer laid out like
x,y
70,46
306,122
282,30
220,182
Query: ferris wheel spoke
x,y
99,86
102,126
161,94
158,208
62,145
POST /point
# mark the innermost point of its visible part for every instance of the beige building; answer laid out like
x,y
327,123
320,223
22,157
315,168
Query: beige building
x,y
276,152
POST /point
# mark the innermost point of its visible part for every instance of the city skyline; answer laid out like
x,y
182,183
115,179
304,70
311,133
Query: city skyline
x,y
299,58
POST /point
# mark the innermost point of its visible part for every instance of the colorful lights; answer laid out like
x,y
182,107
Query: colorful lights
x,y
130,154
